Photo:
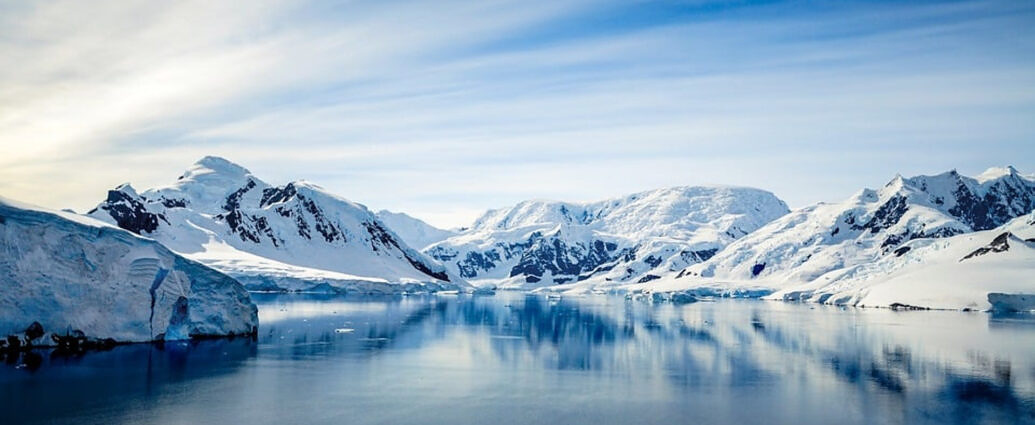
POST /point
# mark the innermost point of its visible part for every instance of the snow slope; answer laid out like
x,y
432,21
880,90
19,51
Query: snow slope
x,y
958,272
813,241
633,239
413,231
900,244
70,272
291,237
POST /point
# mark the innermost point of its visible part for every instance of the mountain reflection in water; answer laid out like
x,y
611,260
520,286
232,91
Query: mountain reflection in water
x,y
516,358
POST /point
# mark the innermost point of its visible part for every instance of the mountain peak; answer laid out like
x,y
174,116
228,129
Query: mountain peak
x,y
288,237
996,172
896,184
215,165
127,189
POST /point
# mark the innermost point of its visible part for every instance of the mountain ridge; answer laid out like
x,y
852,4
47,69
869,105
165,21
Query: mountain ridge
x,y
816,239
536,242
412,230
219,213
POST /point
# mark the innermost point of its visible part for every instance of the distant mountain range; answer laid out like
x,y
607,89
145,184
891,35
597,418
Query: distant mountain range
x,y
632,239
813,241
915,230
707,240
169,262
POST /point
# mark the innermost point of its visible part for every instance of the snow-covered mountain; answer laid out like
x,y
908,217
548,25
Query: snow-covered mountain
x,y
413,231
78,276
957,272
295,237
813,241
632,239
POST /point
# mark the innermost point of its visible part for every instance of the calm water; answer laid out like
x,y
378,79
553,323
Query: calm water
x,y
517,359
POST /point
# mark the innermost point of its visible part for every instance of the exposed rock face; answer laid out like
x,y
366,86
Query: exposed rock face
x,y
128,212
472,264
84,282
555,257
219,213
1001,243
988,204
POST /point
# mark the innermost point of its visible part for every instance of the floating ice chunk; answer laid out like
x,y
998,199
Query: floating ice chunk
x,y
1010,303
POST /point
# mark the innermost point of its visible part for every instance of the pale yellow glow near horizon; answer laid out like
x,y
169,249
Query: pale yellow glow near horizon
x,y
445,112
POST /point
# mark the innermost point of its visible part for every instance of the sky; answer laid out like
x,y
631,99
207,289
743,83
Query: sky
x,y
443,109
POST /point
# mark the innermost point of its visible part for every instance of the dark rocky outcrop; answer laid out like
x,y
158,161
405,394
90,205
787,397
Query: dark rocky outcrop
x,y
34,331
906,307
1003,200
381,235
174,203
275,195
233,200
477,261
700,255
979,206
474,263
72,342
130,213
648,278
887,215
1001,243
553,255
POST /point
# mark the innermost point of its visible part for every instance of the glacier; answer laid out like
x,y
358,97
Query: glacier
x,y
68,275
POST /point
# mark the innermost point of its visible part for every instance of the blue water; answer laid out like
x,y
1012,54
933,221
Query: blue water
x,y
512,358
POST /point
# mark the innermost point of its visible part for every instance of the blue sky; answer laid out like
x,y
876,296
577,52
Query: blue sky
x,y
444,109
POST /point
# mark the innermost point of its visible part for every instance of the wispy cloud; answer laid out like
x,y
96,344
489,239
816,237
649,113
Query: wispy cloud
x,y
445,109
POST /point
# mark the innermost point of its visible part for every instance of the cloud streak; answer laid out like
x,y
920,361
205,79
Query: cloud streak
x,y
448,110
